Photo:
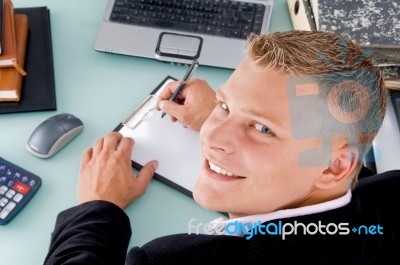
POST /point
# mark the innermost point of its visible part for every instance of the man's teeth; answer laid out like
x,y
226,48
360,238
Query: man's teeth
x,y
219,170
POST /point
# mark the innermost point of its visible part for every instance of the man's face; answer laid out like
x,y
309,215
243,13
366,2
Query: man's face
x,y
250,159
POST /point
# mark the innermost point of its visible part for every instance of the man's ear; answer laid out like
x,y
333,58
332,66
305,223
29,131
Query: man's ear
x,y
344,161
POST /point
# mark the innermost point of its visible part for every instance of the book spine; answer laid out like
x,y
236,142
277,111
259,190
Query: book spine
x,y
301,14
1,26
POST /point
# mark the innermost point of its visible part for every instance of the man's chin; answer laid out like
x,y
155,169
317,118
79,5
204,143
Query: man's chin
x,y
208,199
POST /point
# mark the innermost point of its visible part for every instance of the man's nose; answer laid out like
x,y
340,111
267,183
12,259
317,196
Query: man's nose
x,y
224,136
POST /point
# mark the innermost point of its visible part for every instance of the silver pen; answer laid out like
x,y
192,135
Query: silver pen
x,y
183,82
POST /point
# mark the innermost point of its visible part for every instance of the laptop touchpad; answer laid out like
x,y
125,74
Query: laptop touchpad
x,y
179,46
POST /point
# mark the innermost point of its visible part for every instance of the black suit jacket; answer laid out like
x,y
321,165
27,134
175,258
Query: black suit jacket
x,y
98,232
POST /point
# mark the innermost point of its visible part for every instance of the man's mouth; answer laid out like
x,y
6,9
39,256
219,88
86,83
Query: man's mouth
x,y
221,171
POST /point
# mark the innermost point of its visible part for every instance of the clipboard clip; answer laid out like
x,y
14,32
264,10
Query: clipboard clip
x,y
141,112
145,110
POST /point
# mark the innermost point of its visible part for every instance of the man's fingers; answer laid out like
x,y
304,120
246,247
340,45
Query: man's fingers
x,y
167,92
147,172
87,156
111,141
98,146
171,108
192,83
126,146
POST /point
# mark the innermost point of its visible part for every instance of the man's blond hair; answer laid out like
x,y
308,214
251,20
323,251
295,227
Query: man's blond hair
x,y
335,59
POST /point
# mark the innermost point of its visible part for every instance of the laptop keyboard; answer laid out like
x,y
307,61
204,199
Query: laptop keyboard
x,y
232,19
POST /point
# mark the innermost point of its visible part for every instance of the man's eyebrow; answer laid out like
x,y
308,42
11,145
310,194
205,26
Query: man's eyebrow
x,y
262,115
220,93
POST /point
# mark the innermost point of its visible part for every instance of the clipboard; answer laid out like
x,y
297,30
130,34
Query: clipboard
x,y
176,148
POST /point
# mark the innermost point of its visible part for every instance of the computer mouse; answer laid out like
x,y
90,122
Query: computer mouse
x,y
53,134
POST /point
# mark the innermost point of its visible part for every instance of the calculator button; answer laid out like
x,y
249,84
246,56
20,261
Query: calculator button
x,y
10,182
4,213
20,187
3,179
7,210
10,194
3,202
2,166
17,174
17,198
9,171
24,179
32,182
3,190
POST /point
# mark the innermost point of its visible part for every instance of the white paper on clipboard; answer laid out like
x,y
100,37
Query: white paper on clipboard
x,y
176,148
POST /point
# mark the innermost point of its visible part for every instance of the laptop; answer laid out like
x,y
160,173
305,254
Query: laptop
x,y
212,31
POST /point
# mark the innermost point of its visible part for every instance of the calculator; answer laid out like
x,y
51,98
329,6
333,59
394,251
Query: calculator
x,y
17,188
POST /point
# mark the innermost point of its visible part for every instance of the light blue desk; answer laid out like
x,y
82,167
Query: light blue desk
x,y
101,89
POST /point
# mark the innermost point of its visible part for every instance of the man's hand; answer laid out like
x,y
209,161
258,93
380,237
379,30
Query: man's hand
x,y
106,172
193,106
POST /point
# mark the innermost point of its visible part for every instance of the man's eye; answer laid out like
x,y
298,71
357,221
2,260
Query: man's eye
x,y
224,106
262,128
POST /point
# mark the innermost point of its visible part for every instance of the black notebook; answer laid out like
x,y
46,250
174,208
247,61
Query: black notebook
x,y
38,87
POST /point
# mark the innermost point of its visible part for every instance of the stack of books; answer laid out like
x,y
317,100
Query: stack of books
x,y
13,43
369,23
32,53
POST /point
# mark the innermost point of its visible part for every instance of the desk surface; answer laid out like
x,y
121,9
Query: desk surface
x,y
101,89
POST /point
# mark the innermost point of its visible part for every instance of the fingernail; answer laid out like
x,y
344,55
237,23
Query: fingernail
x,y
161,104
155,164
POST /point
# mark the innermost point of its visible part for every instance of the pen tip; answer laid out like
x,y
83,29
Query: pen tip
x,y
163,114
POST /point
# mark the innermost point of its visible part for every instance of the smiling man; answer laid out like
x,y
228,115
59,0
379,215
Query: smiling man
x,y
281,142
249,135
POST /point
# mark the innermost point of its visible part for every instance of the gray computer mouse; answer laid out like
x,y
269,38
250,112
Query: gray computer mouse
x,y
54,133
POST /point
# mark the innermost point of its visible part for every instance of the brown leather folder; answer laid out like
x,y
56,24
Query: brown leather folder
x,y
9,53
10,77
